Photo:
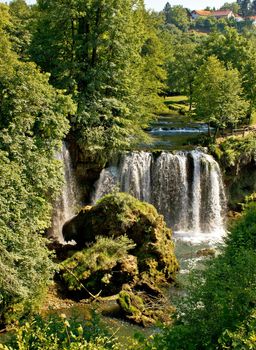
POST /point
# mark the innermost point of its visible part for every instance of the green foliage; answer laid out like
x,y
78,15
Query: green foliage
x,y
178,16
20,31
218,311
183,67
58,332
101,256
236,151
32,125
108,54
244,337
218,94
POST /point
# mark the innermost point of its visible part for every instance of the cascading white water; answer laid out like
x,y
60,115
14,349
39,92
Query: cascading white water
x,y
135,175
186,187
65,206
196,192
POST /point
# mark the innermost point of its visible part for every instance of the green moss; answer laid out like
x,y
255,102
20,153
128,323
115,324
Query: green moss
x,y
236,156
135,249
90,265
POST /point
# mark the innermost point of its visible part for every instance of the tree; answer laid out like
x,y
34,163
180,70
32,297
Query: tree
x,y
253,7
166,11
20,31
32,125
249,76
96,51
182,68
178,16
218,94
244,7
233,6
218,311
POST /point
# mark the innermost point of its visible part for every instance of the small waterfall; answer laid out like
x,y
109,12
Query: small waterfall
x,y
186,187
65,206
135,175
196,191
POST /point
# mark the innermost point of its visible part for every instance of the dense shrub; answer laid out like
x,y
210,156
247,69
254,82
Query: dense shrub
x,y
219,309
60,333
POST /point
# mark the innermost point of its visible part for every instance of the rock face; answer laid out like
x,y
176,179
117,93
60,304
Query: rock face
x,y
138,254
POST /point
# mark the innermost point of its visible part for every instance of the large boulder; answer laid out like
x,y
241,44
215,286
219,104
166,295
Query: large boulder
x,y
124,247
121,214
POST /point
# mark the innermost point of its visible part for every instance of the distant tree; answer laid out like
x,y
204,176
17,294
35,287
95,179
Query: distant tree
x,y
178,16
182,69
244,7
233,6
218,94
253,7
166,12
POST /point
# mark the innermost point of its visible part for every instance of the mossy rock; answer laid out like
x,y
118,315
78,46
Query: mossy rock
x,y
144,309
101,268
121,214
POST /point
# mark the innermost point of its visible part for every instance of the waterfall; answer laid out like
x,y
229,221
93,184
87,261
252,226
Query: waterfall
x,y
65,206
185,187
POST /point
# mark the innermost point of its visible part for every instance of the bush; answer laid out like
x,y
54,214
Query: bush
x,y
58,332
219,309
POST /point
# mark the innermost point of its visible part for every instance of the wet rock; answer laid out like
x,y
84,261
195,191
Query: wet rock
x,y
126,248
206,252
144,309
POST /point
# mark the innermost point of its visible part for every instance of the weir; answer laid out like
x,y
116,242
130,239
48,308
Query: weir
x,y
186,187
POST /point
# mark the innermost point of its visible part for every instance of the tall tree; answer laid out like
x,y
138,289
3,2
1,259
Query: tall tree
x,y
96,50
183,67
32,125
218,94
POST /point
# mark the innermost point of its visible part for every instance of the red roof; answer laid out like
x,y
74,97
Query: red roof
x,y
202,12
221,13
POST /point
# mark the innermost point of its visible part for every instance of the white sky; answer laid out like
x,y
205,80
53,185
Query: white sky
x,y
158,5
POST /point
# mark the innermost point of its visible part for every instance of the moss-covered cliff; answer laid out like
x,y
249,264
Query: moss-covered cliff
x,y
124,245
237,158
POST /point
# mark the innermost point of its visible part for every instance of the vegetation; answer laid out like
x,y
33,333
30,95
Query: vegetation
x,y
218,94
108,55
95,72
58,332
134,255
218,311
32,124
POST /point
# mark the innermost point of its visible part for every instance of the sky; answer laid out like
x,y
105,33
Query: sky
x,y
158,5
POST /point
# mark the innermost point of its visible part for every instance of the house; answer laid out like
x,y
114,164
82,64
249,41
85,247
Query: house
x,y
223,14
200,13
217,14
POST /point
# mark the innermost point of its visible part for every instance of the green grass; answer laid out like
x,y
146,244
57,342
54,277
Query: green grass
x,y
176,99
177,103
